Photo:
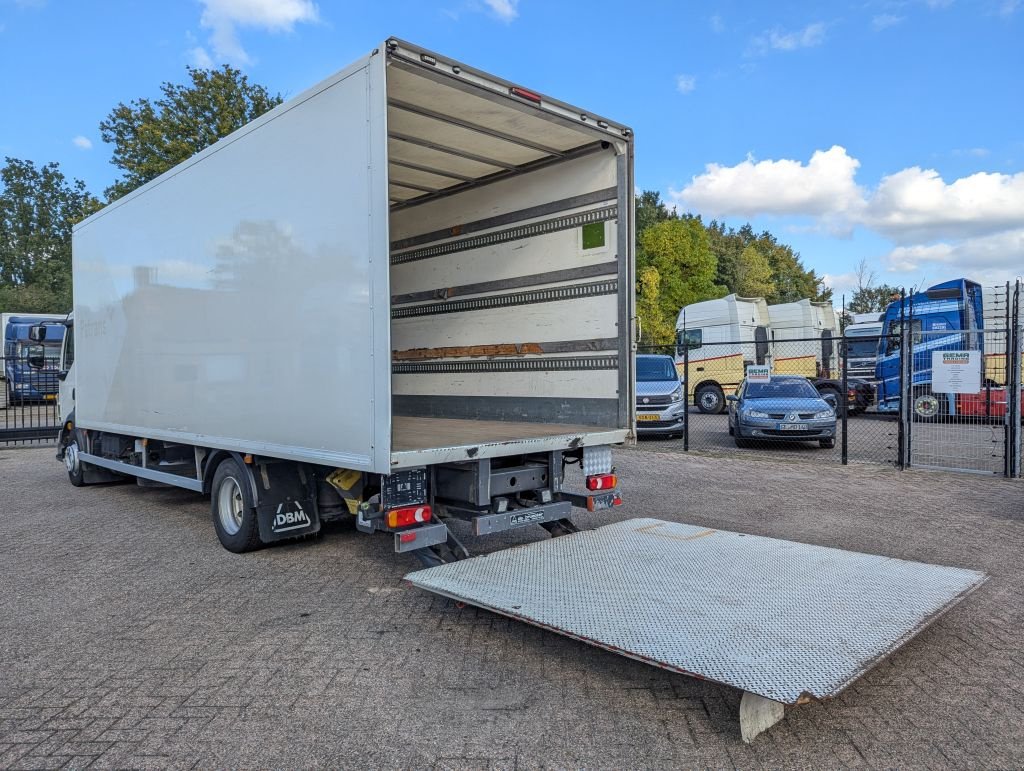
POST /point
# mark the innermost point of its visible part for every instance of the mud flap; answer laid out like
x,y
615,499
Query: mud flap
x,y
286,509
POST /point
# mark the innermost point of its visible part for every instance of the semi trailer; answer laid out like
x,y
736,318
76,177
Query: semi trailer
x,y
454,255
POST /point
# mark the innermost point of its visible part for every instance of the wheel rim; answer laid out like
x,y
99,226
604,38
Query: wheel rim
x,y
709,400
230,506
926,405
71,458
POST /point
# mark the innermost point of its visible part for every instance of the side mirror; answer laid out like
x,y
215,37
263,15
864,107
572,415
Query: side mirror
x,y
37,333
732,398
831,399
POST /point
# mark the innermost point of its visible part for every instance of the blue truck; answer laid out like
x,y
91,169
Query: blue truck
x,y
946,317
31,368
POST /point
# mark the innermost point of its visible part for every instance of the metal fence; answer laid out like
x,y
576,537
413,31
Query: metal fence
x,y
782,418
28,399
905,413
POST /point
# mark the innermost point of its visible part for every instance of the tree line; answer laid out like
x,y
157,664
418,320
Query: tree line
x,y
680,259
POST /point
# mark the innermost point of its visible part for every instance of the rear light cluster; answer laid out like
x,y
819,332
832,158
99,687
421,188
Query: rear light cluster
x,y
408,515
602,482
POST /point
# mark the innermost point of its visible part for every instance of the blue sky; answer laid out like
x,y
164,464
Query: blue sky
x,y
890,130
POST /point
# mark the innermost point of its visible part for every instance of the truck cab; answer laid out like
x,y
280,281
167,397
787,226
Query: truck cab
x,y
31,365
945,317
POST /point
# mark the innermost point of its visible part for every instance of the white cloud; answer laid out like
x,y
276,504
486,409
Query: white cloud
x,y
83,143
841,283
780,40
823,187
686,83
998,254
224,17
1008,7
717,24
972,225
885,21
506,10
199,57
918,205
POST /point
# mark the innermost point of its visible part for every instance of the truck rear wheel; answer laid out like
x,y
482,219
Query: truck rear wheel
x,y
233,508
710,399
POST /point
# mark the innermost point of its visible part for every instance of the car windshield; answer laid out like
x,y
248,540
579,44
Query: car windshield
x,y
655,368
781,389
862,348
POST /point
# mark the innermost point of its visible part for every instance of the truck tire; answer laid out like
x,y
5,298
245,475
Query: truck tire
x,y
233,508
76,473
835,393
710,399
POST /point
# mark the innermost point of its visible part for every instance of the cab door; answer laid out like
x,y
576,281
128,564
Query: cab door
x,y
66,391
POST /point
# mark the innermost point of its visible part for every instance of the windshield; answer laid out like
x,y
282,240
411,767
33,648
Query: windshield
x,y
655,368
50,351
781,389
860,349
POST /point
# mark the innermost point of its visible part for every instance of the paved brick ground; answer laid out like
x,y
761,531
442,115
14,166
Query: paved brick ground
x,y
129,638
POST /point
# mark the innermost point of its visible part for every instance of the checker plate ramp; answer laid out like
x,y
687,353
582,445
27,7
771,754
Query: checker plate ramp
x,y
775,618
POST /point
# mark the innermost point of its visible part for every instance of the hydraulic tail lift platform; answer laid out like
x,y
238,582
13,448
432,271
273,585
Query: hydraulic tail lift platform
x,y
784,622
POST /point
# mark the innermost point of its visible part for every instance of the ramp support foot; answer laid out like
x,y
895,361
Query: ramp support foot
x,y
758,714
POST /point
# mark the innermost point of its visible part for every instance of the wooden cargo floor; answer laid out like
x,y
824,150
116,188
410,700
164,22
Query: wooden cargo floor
x,y
431,433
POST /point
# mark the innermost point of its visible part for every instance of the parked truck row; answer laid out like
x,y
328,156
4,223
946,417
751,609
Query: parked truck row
x,y
716,340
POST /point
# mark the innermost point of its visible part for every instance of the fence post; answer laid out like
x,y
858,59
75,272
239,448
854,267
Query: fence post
x,y
844,396
686,392
906,372
1015,333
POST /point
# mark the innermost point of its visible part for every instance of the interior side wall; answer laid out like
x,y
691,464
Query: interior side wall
x,y
505,299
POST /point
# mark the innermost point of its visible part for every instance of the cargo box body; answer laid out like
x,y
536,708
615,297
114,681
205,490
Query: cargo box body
x,y
407,264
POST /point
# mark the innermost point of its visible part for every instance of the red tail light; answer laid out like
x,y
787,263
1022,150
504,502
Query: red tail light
x,y
602,482
408,515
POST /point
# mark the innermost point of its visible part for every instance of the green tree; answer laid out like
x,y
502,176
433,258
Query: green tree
x,y
754,276
869,299
678,250
655,329
150,137
38,208
791,280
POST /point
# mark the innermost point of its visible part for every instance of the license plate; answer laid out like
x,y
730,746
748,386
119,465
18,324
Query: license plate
x,y
792,426
642,418
50,397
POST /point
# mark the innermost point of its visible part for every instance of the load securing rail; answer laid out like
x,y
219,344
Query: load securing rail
x,y
784,622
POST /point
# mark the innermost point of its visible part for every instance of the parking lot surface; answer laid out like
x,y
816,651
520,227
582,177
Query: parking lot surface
x,y
130,638
872,438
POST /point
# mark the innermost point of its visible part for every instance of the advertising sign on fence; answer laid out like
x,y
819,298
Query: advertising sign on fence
x,y
956,372
759,373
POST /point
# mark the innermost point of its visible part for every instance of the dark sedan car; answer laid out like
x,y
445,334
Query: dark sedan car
x,y
785,408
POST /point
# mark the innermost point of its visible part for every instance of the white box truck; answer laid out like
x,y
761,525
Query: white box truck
x,y
404,295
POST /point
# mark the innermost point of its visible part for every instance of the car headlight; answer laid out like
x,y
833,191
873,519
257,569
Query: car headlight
x,y
677,395
755,414
824,414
